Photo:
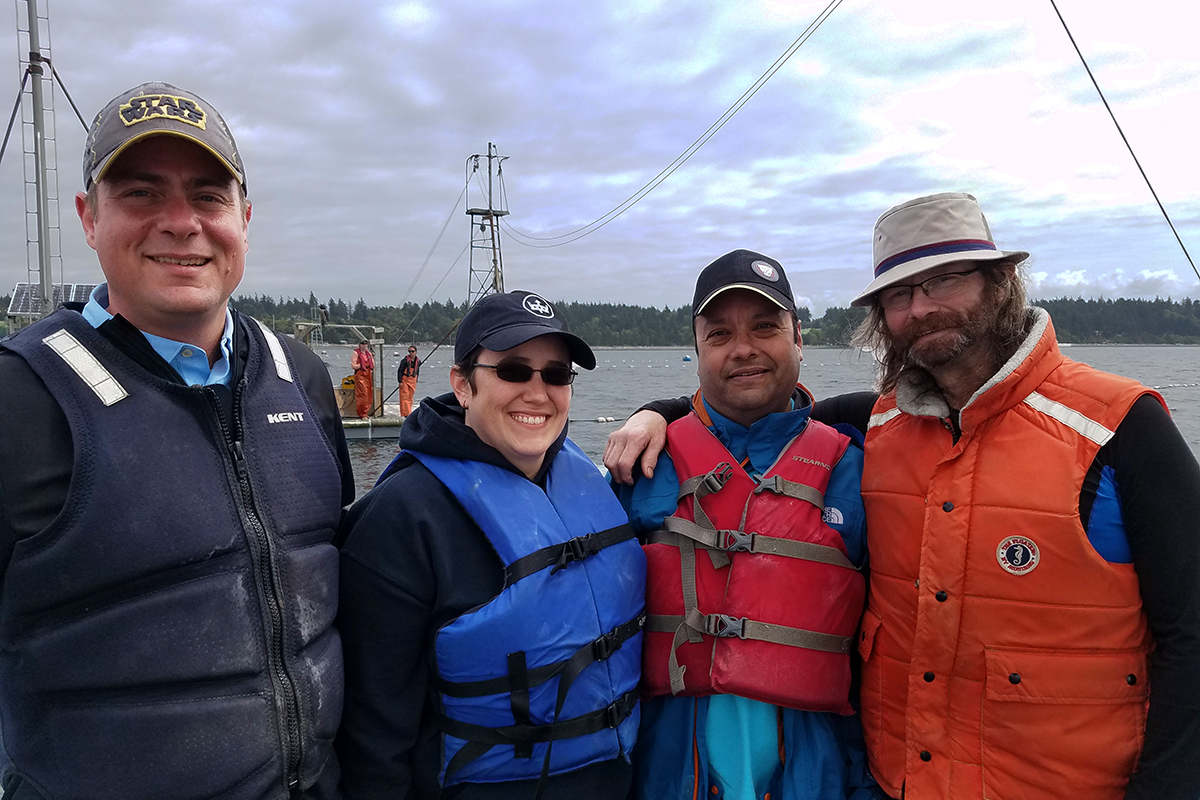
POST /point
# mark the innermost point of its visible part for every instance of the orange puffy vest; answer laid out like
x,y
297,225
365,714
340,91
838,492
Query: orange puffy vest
x,y
1003,657
768,607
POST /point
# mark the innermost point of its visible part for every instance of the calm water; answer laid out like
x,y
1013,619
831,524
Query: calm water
x,y
625,379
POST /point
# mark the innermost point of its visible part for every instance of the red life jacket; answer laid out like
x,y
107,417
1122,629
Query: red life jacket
x,y
771,607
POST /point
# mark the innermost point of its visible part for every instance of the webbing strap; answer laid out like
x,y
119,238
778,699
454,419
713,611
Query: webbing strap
x,y
596,650
797,491
610,716
691,598
519,698
559,555
676,529
724,626
701,486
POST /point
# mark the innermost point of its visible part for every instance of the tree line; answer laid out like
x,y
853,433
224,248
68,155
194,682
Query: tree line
x,y
1123,321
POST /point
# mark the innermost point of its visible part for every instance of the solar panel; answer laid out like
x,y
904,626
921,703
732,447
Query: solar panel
x,y
22,300
27,297
80,292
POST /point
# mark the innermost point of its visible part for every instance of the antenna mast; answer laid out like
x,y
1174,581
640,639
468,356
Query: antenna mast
x,y
41,205
487,276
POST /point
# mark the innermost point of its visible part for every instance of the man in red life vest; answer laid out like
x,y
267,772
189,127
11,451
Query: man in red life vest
x,y
363,363
1033,626
754,538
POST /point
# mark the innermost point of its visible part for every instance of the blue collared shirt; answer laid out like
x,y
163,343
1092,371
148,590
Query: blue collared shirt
x,y
189,360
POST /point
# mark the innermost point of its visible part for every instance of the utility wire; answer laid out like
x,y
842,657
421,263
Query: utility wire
x,y
431,294
572,236
1129,147
436,241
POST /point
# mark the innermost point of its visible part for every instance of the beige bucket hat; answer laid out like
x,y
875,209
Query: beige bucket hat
x,y
928,232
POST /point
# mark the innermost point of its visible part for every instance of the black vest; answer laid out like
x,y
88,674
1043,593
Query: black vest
x,y
170,634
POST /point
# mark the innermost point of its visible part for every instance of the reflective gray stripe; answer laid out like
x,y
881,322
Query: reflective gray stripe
x,y
1085,427
883,419
85,365
281,365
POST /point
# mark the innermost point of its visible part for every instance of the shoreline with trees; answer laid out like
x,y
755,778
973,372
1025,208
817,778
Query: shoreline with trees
x,y
1076,321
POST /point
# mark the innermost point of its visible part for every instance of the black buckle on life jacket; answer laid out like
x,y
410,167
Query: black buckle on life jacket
x,y
725,626
771,484
736,541
715,479
576,549
606,645
616,712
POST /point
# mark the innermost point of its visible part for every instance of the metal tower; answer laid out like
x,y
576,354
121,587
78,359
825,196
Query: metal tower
x,y
42,235
487,276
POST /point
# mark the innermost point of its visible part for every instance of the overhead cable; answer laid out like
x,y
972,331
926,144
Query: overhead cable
x,y
425,263
572,236
435,288
1128,146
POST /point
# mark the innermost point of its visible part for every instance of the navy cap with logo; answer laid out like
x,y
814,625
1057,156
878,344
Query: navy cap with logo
x,y
502,321
744,269
153,109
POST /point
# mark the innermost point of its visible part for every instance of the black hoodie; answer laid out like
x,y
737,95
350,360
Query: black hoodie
x,y
412,561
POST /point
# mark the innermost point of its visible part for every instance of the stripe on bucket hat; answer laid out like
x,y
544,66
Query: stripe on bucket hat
x,y
941,248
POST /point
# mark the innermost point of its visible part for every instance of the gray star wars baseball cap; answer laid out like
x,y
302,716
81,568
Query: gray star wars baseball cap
x,y
154,109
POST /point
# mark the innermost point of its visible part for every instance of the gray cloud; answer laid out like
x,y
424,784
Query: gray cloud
x,y
356,119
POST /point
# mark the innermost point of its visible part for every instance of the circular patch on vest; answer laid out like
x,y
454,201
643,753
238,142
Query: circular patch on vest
x,y
1018,555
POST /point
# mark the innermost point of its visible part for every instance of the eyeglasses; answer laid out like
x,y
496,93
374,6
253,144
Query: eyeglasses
x,y
516,372
939,287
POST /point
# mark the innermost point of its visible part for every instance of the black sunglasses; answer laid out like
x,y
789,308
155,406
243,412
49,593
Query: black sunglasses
x,y
516,372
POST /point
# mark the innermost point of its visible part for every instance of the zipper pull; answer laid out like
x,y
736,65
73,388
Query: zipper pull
x,y
239,458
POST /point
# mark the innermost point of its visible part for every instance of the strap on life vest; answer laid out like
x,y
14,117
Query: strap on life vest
x,y
480,738
686,535
559,555
520,679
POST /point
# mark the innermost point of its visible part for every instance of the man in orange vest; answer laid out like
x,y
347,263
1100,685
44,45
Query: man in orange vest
x,y
1033,622
362,361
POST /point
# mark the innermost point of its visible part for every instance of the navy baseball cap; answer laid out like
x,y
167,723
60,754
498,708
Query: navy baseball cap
x,y
502,321
744,269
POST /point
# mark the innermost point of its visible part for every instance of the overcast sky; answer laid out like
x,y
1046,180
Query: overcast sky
x,y
355,120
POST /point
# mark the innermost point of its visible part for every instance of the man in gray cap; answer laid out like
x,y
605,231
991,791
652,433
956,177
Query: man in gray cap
x,y
1035,567
171,476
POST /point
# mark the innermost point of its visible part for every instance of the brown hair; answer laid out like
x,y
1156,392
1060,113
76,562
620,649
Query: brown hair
x,y
466,367
1007,289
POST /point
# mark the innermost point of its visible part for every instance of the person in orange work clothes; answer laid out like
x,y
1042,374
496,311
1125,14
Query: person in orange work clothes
x,y
363,364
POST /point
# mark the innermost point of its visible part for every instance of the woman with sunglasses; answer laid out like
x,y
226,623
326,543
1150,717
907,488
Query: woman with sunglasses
x,y
491,589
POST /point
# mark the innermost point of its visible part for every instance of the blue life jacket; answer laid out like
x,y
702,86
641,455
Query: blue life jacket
x,y
544,678
170,634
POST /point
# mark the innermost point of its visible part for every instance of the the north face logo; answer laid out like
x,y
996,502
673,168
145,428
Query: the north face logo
x,y
285,416
150,106
832,516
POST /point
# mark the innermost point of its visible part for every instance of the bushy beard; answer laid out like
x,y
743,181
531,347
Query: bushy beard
x,y
969,329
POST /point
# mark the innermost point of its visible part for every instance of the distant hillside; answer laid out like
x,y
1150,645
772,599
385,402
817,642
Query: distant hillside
x,y
1126,321
1122,321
